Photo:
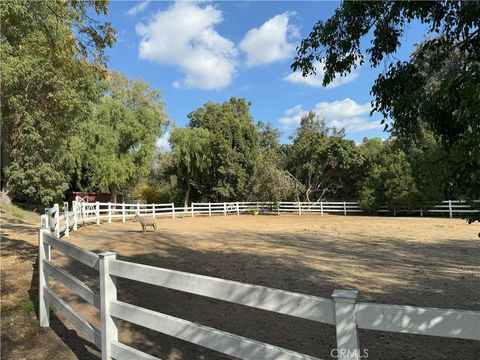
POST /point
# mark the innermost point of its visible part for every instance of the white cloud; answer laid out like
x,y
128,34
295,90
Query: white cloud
x,y
270,42
137,8
345,108
317,79
163,141
344,113
184,35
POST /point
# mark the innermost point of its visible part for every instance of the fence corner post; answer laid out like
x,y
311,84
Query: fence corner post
x,y
75,215
108,293
346,324
109,212
57,220
67,223
450,208
97,211
43,277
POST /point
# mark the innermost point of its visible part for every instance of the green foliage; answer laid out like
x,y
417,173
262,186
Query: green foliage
x,y
234,143
191,157
47,91
390,183
322,160
151,195
270,180
336,42
436,90
121,134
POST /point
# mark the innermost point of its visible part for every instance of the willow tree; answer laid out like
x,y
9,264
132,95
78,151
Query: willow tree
x,y
122,135
191,157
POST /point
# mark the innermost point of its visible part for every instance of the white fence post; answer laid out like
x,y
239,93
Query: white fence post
x,y
299,208
192,208
109,212
108,293
238,209
450,208
321,207
224,209
173,210
44,221
346,324
123,212
153,206
57,220
344,208
75,215
65,214
138,208
209,209
43,254
97,209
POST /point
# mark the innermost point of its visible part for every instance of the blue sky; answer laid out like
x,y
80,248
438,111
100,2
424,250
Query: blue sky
x,y
196,52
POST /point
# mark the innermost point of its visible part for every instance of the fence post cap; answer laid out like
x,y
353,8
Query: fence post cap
x,y
345,295
107,254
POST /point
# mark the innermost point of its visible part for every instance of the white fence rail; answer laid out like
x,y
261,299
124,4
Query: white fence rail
x,y
81,213
342,310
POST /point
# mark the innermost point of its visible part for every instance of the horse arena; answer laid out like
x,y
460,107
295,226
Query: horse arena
x,y
430,262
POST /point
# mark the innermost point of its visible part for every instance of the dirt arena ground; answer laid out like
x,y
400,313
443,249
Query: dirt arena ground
x,y
407,261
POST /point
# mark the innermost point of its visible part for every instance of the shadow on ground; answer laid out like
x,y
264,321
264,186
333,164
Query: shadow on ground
x,y
421,274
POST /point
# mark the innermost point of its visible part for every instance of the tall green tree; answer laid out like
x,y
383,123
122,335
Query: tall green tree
x,y
52,64
191,157
122,134
234,145
389,183
437,88
271,181
322,160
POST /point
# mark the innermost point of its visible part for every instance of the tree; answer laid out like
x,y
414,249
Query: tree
x,y
191,157
234,144
270,180
322,160
389,183
437,89
52,57
122,135
336,42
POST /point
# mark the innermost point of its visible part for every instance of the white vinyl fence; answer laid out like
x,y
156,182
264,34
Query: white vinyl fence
x,y
61,222
341,310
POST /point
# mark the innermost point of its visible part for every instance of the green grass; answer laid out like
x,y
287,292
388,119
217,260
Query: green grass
x,y
17,213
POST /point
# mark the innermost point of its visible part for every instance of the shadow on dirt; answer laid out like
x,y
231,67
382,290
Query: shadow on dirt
x,y
294,273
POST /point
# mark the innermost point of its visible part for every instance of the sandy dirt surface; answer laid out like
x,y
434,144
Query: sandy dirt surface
x,y
407,261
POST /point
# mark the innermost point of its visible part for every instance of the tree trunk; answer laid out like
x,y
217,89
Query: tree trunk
x,y
113,192
187,194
